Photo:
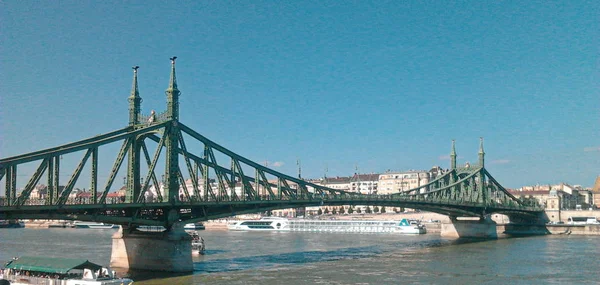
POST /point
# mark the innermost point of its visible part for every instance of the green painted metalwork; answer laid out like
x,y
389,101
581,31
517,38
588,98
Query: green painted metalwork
x,y
453,156
56,179
64,195
172,160
151,167
94,176
173,94
50,181
135,101
186,193
465,190
208,193
153,175
13,184
133,172
481,153
221,178
32,182
115,170
133,164
8,181
193,177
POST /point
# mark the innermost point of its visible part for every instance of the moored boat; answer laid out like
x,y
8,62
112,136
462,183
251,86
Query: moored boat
x,y
197,243
194,226
308,225
264,224
407,226
58,271
93,225
11,224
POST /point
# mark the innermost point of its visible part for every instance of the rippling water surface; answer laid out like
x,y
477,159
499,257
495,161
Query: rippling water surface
x,y
326,258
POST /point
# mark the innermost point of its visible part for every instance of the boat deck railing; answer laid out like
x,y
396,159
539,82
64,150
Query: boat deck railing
x,y
34,280
342,226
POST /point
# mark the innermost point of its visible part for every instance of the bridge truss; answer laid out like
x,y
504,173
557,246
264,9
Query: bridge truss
x,y
203,180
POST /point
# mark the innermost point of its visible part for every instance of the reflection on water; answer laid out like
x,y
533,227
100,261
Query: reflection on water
x,y
327,258
262,261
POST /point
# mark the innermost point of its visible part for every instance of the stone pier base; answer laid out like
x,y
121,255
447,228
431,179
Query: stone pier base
x,y
485,228
158,251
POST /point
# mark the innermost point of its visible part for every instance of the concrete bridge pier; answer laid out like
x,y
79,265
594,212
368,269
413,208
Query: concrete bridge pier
x,y
470,228
158,251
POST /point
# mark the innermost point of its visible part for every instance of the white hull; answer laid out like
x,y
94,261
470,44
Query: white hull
x,y
33,280
91,225
264,224
340,226
194,226
411,230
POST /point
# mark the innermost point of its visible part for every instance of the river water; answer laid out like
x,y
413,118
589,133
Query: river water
x,y
326,258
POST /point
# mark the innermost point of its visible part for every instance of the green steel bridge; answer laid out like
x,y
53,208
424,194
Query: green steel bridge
x,y
203,180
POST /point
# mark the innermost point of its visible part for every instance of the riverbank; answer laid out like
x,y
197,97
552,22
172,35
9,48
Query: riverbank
x,y
46,224
432,221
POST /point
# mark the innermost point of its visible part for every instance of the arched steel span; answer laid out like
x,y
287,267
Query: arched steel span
x,y
197,185
467,191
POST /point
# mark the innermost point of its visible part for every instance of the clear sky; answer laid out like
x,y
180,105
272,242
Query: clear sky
x,y
375,84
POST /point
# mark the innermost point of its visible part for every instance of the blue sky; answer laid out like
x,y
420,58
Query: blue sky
x,y
379,85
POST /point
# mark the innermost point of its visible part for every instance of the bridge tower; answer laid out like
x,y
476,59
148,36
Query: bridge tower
x,y
482,187
481,153
133,163
172,165
453,156
135,101
165,251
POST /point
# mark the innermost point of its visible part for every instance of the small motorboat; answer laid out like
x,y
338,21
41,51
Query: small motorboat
x,y
194,226
197,243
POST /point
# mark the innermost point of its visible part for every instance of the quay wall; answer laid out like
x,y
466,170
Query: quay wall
x,y
425,217
588,230
563,215
46,224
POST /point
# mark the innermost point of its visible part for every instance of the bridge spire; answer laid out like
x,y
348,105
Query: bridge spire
x,y
171,144
134,99
453,156
481,153
173,94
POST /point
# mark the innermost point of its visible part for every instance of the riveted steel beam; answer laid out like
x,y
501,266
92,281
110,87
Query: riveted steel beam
x,y
193,177
115,169
221,177
94,176
64,195
151,167
267,185
153,175
248,162
186,193
32,182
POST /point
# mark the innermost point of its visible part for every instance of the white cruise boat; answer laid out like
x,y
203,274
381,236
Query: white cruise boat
x,y
410,227
93,225
194,226
342,226
264,224
58,271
